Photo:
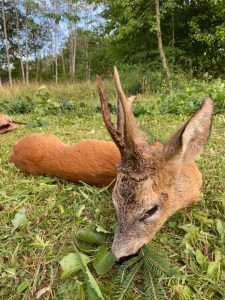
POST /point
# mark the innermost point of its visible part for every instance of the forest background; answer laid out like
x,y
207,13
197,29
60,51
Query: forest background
x,y
61,40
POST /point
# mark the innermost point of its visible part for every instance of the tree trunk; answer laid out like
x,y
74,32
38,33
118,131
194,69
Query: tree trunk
x,y
160,44
63,65
18,42
52,56
74,53
55,11
70,38
74,47
6,43
37,66
87,68
27,55
173,39
56,69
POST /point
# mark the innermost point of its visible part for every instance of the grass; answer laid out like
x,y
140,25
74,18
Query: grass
x,y
29,255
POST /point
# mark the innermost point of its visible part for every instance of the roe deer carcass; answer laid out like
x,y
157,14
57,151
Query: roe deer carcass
x,y
91,161
153,181
7,124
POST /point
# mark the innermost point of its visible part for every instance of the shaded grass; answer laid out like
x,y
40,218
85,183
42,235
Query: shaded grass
x,y
30,254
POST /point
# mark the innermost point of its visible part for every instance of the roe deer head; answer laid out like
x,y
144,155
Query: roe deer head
x,y
153,181
7,124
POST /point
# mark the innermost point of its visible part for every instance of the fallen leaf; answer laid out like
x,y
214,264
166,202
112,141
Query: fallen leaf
x,y
43,291
20,218
71,263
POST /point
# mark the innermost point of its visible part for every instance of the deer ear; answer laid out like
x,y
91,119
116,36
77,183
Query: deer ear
x,y
190,139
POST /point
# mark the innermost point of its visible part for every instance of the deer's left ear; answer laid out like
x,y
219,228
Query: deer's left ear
x,y
190,139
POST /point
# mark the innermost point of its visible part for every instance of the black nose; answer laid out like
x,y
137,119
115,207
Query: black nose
x,y
126,258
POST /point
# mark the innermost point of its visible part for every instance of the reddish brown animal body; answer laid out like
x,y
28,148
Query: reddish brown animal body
x,y
90,161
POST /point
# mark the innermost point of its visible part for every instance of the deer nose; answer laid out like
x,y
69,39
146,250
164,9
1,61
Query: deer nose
x,y
126,258
122,250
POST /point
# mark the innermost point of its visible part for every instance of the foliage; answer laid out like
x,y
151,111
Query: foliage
x,y
37,124
17,106
101,33
72,262
193,40
37,34
20,218
186,100
103,261
152,267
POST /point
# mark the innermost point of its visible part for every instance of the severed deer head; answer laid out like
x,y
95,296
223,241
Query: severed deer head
x,y
153,180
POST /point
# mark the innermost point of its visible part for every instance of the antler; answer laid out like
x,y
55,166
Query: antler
x,y
126,135
131,133
116,135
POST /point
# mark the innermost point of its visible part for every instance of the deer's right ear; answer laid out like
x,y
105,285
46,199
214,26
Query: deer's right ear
x,y
190,139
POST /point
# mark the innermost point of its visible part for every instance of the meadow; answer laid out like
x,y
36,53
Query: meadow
x,y
52,210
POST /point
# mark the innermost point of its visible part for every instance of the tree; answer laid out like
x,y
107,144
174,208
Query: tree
x,y
18,42
27,45
6,43
160,44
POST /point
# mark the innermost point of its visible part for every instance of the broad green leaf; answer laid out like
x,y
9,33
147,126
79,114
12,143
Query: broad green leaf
x,y
90,281
220,228
200,257
101,229
71,263
20,218
90,236
85,247
218,256
92,284
213,268
22,287
80,210
91,293
103,261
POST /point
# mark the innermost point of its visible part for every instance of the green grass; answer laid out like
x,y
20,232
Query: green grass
x,y
29,255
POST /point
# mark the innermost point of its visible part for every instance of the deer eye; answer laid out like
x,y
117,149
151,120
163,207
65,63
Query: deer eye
x,y
150,212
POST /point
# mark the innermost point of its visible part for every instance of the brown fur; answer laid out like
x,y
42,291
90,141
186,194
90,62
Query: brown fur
x,y
90,161
171,187
153,181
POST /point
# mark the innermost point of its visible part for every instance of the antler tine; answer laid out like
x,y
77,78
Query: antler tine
x,y
131,132
120,117
114,133
120,92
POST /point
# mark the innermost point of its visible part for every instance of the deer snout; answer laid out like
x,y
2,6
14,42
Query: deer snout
x,y
124,247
